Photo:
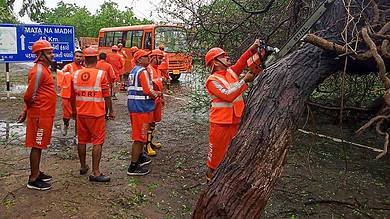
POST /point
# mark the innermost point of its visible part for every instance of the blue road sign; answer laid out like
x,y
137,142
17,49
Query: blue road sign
x,y
16,41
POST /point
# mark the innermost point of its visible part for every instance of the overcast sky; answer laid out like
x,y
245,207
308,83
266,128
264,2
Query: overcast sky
x,y
141,8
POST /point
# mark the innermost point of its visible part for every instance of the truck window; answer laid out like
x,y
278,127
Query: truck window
x,y
148,40
127,43
117,37
137,38
109,39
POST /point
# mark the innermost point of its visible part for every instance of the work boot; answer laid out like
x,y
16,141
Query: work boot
x,y
149,146
64,130
154,143
149,150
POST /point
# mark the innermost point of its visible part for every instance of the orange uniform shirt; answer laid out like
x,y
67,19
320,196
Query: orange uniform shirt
x,y
66,84
40,96
216,89
72,67
156,77
107,67
117,63
90,88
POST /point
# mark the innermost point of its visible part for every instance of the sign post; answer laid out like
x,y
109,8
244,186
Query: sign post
x,y
16,42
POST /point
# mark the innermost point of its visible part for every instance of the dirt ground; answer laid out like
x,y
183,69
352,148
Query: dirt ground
x,y
322,178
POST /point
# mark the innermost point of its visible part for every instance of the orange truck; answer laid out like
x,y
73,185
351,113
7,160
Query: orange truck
x,y
85,42
149,37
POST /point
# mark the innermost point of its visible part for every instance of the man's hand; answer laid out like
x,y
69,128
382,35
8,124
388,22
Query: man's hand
x,y
249,77
255,45
22,116
111,116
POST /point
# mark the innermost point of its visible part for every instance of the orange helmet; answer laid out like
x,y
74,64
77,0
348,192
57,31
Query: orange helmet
x,y
40,45
133,49
90,52
161,46
156,52
114,48
213,53
140,53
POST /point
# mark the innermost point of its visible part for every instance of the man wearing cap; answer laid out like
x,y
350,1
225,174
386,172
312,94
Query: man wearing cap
x,y
163,67
132,51
155,59
68,104
141,105
227,105
91,91
117,63
40,106
102,64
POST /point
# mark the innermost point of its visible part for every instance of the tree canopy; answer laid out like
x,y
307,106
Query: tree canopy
x,y
85,23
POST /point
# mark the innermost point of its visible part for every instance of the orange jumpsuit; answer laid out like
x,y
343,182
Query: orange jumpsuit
x,y
227,107
68,104
90,87
117,63
40,103
140,121
157,86
107,67
163,67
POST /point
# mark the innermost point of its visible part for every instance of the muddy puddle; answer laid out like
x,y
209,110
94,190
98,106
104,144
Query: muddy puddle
x,y
12,132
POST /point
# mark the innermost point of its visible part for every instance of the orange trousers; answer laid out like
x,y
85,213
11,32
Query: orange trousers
x,y
219,139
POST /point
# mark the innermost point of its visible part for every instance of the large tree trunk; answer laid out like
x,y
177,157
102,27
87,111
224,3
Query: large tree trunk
x,y
255,159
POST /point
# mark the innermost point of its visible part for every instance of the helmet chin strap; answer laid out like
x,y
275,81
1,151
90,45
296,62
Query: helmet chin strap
x,y
222,63
45,56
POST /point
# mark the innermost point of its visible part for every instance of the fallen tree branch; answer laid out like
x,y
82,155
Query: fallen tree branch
x,y
357,204
331,46
340,140
377,57
337,108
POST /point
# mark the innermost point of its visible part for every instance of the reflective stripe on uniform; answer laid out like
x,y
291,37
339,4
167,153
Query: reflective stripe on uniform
x,y
232,73
98,78
221,104
134,88
90,99
75,76
134,97
37,80
82,88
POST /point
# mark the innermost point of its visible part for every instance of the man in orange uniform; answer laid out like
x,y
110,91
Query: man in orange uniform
x,y
102,64
40,106
164,67
133,50
141,105
155,59
68,107
117,63
227,104
121,52
92,95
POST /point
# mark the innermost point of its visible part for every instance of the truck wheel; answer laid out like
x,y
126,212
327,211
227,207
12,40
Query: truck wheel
x,y
175,77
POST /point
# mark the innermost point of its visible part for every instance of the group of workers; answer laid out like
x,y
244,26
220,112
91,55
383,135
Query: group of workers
x,y
86,91
86,97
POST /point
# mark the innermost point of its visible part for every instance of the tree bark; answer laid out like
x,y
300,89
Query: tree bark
x,y
244,180
254,161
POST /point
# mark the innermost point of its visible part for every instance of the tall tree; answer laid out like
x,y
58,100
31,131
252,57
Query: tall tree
x,y
256,156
